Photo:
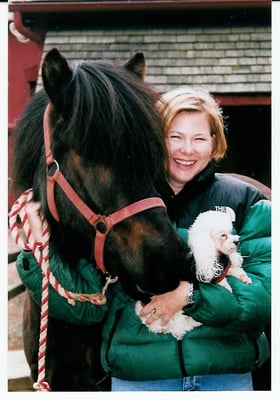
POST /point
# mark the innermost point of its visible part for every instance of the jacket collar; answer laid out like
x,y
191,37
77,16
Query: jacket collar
x,y
175,203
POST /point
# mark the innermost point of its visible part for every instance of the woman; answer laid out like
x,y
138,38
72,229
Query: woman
x,y
230,343
220,354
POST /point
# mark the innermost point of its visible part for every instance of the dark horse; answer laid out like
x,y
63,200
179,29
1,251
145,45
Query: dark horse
x,y
107,137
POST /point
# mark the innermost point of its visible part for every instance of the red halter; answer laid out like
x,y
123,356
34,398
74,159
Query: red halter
x,y
101,223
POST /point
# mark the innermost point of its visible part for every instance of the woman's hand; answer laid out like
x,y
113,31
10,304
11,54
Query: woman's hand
x,y
167,304
32,210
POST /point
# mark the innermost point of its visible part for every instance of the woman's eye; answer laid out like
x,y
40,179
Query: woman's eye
x,y
174,137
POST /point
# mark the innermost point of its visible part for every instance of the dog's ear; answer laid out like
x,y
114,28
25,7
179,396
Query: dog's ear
x,y
137,65
204,252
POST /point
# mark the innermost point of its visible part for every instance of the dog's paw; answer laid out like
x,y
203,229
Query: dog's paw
x,y
245,279
180,324
236,260
240,274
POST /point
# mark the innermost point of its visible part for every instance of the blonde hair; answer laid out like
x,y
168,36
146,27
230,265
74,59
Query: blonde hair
x,y
195,100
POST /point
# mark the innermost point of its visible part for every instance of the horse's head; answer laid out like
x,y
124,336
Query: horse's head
x,y
107,140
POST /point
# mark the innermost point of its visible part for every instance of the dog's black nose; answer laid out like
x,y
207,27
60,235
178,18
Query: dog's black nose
x,y
236,242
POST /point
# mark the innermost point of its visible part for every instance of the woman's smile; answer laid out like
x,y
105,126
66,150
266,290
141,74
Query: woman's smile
x,y
184,163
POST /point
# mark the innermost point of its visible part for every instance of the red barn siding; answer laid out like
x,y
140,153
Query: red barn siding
x,y
24,62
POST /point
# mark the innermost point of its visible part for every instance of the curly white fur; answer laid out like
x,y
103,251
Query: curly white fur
x,y
212,230
178,325
209,235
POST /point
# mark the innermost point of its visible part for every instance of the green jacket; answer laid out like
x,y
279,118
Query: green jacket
x,y
231,339
84,279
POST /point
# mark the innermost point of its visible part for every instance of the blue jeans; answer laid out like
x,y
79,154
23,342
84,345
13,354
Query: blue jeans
x,y
222,382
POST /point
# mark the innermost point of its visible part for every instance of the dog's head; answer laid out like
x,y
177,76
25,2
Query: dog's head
x,y
220,228
225,242
210,235
217,225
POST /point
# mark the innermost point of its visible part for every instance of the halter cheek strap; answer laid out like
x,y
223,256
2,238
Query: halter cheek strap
x,y
101,223
51,179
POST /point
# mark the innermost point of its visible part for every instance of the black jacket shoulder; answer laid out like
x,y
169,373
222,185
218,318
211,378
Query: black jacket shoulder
x,y
218,190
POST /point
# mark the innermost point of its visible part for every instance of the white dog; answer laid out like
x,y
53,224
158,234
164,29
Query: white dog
x,y
211,232
208,238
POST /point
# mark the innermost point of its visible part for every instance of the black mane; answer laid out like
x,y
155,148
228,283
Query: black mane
x,y
29,140
108,118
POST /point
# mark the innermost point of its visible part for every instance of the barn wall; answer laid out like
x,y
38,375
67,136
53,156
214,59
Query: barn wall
x,y
223,59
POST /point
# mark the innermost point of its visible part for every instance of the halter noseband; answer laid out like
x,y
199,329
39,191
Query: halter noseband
x,y
101,223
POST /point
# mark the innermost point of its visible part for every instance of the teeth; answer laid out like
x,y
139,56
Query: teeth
x,y
183,162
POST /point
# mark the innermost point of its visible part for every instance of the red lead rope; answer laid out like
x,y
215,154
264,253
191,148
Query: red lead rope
x,y
41,252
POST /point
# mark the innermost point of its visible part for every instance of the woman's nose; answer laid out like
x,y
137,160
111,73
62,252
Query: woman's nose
x,y
187,147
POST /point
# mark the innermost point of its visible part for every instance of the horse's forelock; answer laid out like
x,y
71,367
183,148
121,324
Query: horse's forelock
x,y
112,120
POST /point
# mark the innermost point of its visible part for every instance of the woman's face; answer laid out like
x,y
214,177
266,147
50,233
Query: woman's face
x,y
190,145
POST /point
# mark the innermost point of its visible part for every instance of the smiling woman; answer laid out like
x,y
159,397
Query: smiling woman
x,y
202,359
194,133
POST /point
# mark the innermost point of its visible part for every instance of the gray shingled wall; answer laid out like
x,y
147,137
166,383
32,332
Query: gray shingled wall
x,y
222,59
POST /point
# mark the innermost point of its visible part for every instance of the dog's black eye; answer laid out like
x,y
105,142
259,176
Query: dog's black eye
x,y
224,235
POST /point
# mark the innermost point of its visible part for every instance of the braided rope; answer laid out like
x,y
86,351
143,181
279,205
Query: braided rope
x,y
40,250
41,253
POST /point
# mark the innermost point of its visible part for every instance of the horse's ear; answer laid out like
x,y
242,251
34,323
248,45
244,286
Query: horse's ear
x,y
56,74
137,65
